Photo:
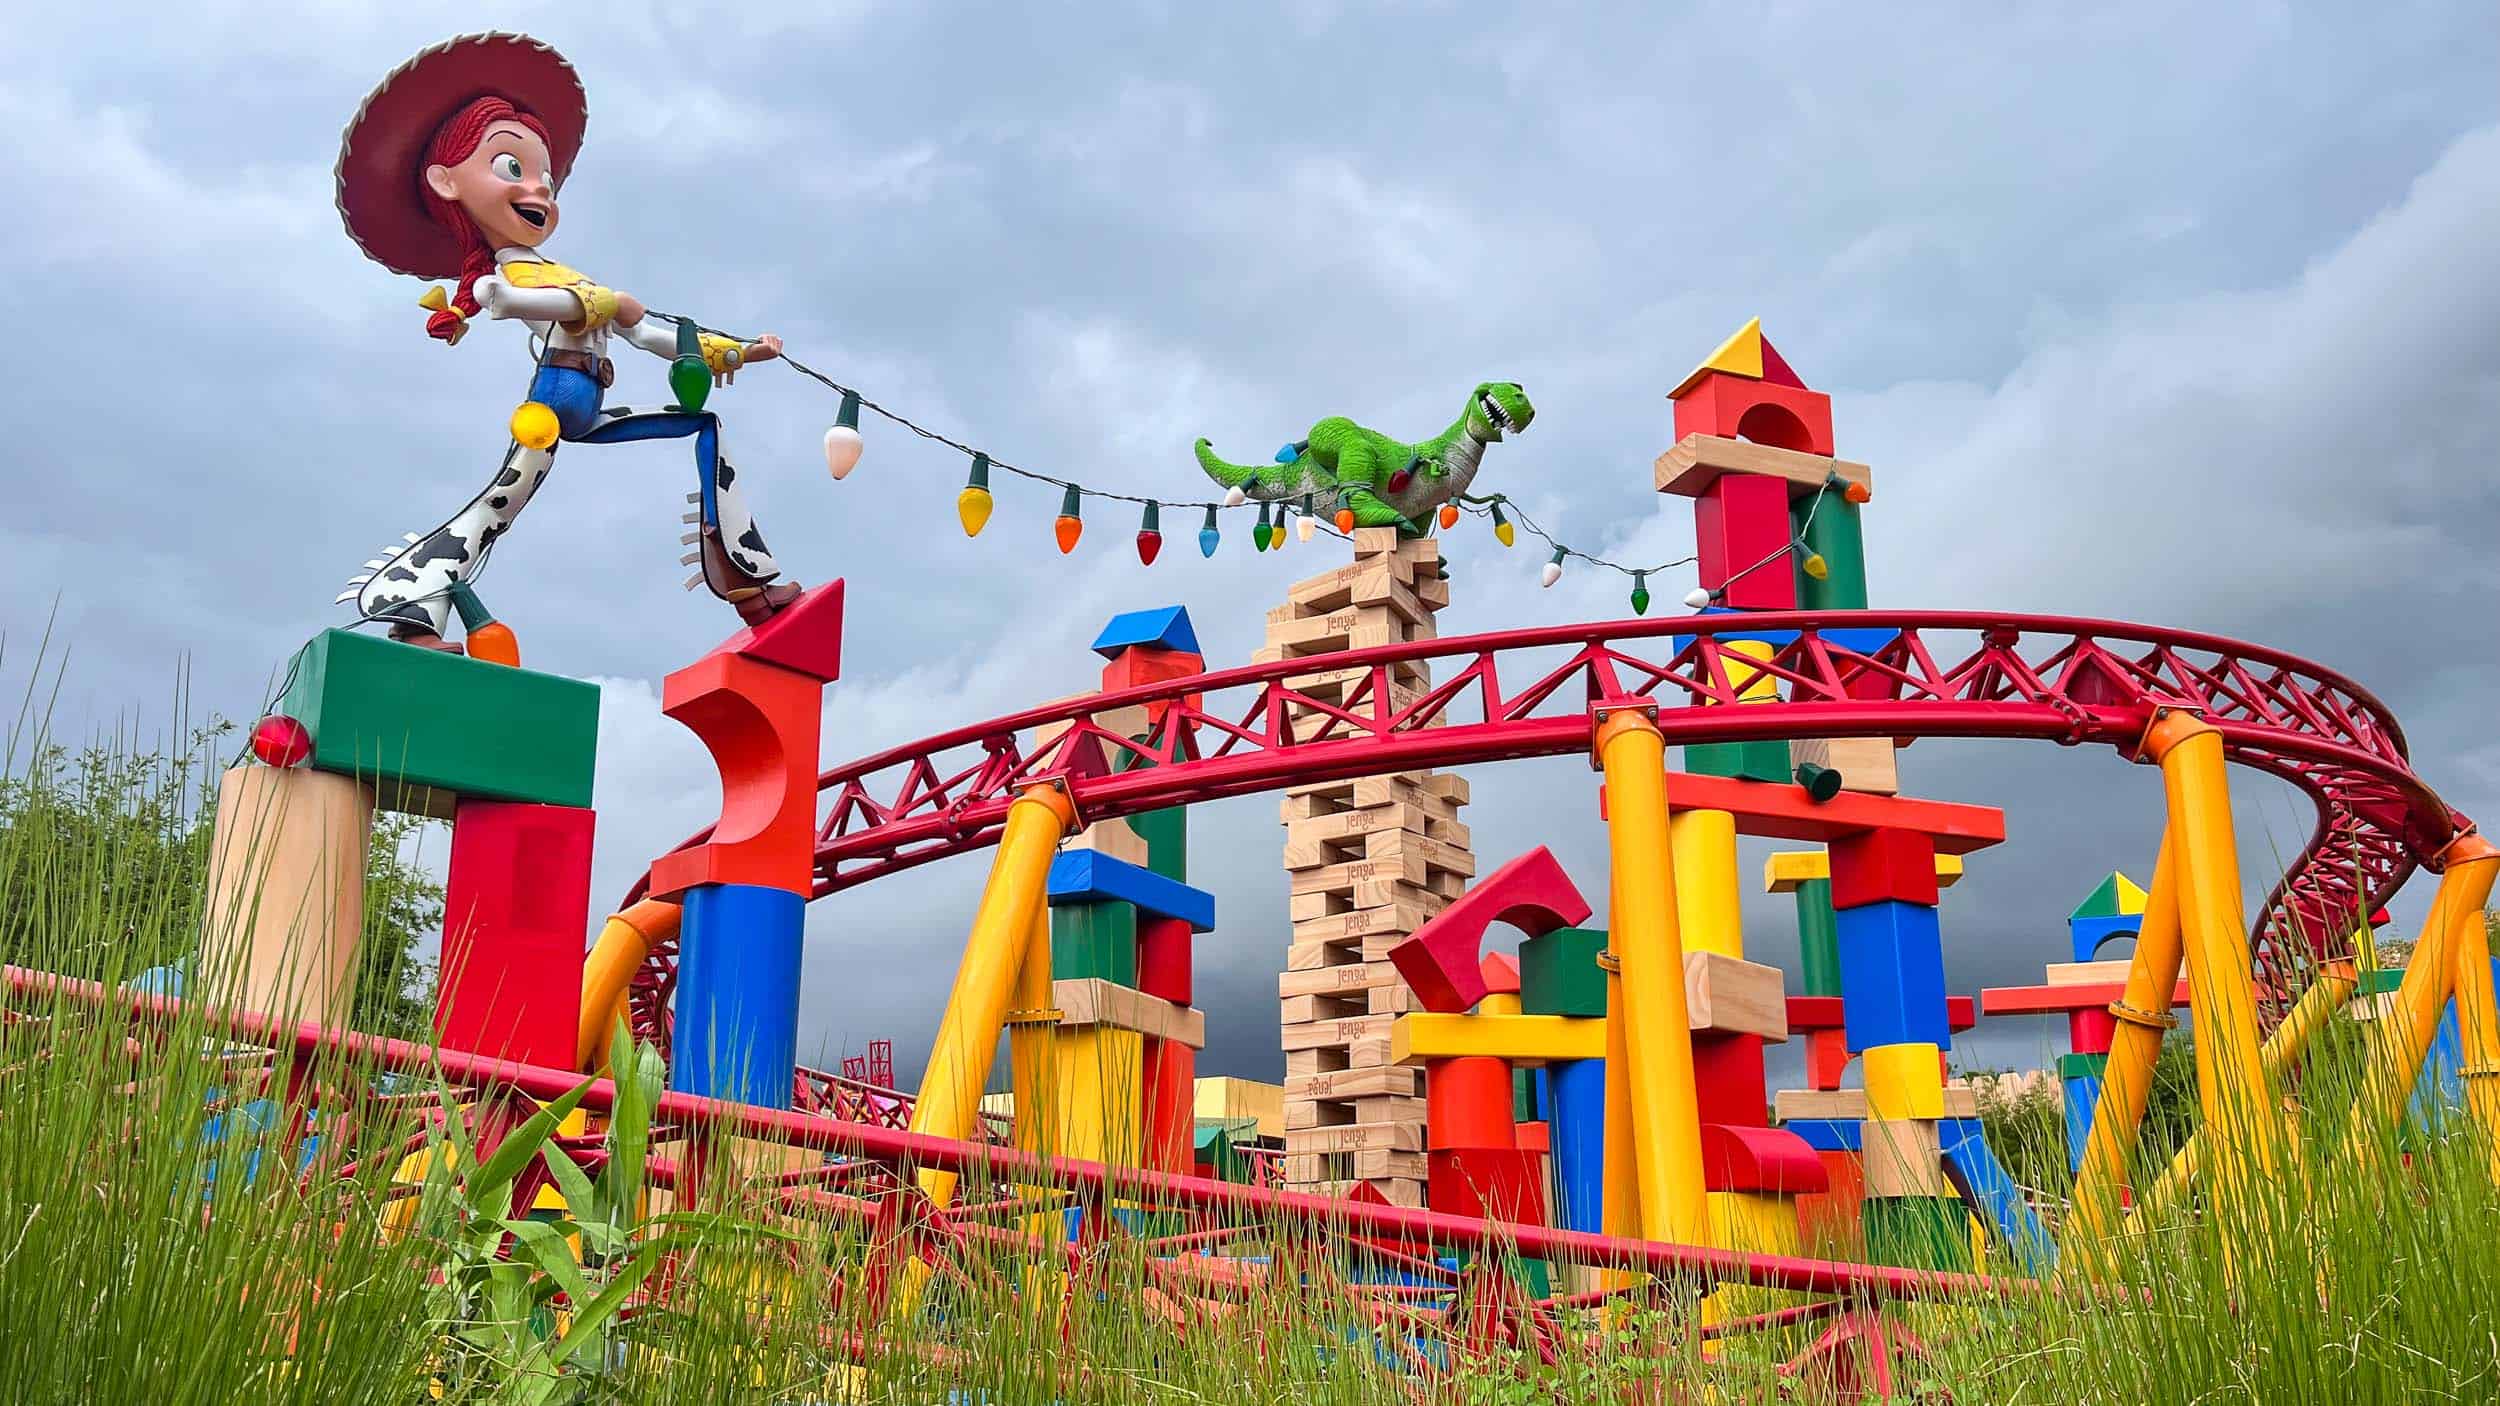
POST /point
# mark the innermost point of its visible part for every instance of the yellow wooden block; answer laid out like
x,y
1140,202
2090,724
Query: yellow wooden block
x,y
1739,355
1525,1039
1223,1098
1755,1222
1708,902
1723,993
1092,1104
1785,869
1904,1081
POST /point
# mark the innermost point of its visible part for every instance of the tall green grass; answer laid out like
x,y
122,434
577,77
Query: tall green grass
x,y
158,1245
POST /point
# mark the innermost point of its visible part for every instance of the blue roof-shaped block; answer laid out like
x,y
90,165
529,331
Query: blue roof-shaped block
x,y
1086,875
2091,934
1164,628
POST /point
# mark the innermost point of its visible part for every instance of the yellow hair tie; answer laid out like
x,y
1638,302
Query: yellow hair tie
x,y
436,300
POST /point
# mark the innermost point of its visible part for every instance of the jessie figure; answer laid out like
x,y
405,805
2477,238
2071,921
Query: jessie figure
x,y
450,170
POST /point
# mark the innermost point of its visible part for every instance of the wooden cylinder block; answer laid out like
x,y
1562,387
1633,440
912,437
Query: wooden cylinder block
x,y
1467,1103
286,893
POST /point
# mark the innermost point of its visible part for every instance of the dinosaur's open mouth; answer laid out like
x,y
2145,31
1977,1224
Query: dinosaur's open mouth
x,y
1493,411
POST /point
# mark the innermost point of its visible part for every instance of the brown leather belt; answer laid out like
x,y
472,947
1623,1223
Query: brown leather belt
x,y
591,364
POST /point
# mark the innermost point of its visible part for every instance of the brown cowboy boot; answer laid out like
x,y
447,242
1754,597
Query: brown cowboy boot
x,y
755,601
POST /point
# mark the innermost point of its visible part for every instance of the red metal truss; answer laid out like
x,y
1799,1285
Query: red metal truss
x,y
1533,693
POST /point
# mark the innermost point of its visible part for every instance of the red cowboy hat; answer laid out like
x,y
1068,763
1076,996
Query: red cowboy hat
x,y
381,179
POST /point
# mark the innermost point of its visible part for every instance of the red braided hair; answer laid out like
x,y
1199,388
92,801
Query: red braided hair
x,y
454,142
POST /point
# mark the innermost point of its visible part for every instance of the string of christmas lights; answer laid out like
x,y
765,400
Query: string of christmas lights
x,y
974,503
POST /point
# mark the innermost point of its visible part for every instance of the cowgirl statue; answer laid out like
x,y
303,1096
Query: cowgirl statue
x,y
450,170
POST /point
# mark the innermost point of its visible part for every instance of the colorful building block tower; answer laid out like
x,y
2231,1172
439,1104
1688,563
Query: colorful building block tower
x,y
757,702
1369,861
1776,523
505,754
1106,1040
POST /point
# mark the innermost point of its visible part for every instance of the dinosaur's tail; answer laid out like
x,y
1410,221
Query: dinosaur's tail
x,y
1266,482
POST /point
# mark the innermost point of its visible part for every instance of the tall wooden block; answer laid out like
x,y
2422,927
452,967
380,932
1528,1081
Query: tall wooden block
x,y
1467,1103
1738,521
1164,959
1892,976
285,893
1731,1084
1169,1097
1902,1158
738,994
425,727
1096,939
516,901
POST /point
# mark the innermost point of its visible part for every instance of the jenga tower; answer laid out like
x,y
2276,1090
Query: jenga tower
x,y
1370,860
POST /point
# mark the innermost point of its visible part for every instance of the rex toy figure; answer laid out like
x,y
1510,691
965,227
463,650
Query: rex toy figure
x,y
450,170
1365,479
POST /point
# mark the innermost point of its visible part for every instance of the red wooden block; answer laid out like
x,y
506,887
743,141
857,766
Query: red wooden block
x,y
516,903
1467,1103
1764,411
1830,1222
1874,866
1139,665
1442,961
1737,1158
1537,1137
804,637
1504,1184
1164,968
1728,1077
1168,1102
761,723
1827,1058
2090,1031
1501,974
1775,368
1741,519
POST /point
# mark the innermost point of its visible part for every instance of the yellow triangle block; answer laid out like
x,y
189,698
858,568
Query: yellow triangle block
x,y
1740,355
2131,899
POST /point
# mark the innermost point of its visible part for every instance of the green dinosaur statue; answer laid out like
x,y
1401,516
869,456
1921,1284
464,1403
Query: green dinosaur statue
x,y
1384,482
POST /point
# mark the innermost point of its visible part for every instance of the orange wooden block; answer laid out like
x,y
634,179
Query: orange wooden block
x,y
760,722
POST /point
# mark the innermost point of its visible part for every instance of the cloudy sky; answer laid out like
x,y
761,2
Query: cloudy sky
x,y
2180,314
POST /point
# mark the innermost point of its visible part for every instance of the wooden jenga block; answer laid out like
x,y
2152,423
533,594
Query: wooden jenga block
x,y
1864,763
1340,1033
1391,1080
1302,1115
1354,978
1356,1137
1322,1006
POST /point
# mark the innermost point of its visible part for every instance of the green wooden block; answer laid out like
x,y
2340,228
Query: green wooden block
x,y
2081,1066
1836,536
1917,1232
1522,1094
1558,973
1752,761
1818,938
428,727
1166,833
1097,939
2380,981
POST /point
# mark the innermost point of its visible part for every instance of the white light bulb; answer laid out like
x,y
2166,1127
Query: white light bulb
x,y
1235,496
1697,598
842,446
1304,528
1553,572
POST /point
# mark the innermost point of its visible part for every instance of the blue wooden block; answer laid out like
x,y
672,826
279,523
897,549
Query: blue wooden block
x,y
1973,1168
738,993
2083,1094
1824,1134
1164,628
1892,976
2090,933
1860,639
1089,876
1576,1126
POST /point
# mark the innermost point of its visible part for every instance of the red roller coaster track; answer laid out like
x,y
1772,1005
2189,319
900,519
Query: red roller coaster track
x,y
1942,674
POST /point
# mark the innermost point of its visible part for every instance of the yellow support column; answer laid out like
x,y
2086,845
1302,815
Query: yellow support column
x,y
2478,1017
2134,1047
2401,1037
967,1038
1708,903
1031,1023
2232,1089
1666,1114
1620,1199
2320,1003
624,941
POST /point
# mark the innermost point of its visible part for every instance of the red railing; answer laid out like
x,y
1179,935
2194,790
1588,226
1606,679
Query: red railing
x,y
1941,674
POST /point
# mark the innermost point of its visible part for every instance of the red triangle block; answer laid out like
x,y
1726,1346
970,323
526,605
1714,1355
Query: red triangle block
x,y
1775,368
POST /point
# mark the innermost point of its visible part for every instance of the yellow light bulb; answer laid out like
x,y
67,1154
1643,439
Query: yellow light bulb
x,y
534,425
1504,533
1816,567
972,509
